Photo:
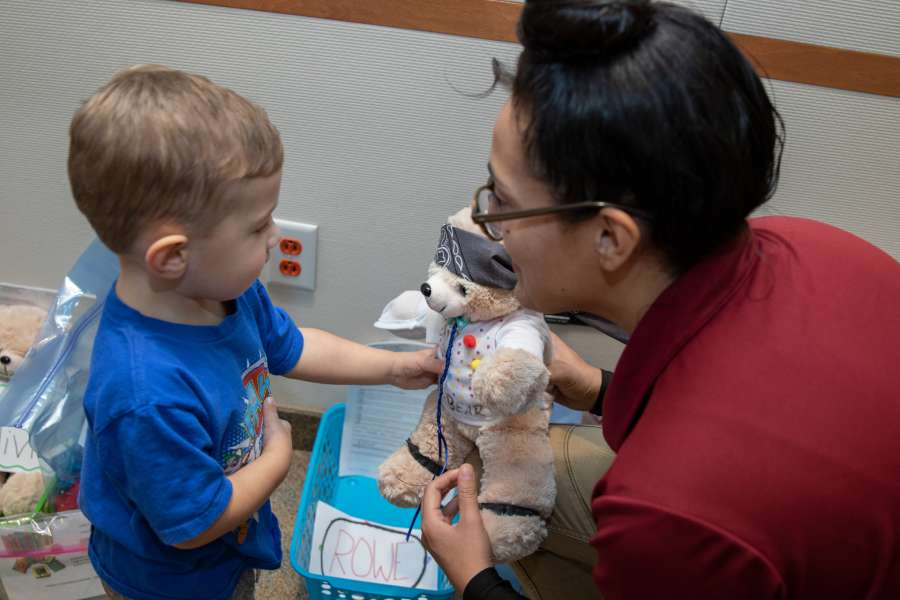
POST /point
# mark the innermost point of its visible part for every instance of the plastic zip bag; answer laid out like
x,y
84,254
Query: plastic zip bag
x,y
45,397
44,534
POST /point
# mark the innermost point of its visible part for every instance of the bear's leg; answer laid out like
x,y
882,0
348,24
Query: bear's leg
x,y
403,476
518,489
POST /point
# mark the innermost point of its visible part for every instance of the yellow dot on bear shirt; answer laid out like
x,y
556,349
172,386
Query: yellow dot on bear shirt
x,y
474,364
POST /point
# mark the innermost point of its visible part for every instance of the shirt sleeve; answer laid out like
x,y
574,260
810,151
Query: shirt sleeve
x,y
488,585
160,459
597,409
649,552
525,333
281,338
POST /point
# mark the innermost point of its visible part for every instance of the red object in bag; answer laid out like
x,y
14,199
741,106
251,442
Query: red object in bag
x,y
68,499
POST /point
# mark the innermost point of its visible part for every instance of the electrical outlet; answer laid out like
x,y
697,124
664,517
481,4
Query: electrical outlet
x,y
292,262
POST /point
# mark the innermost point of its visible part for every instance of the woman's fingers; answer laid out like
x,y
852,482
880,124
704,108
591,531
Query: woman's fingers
x,y
561,349
467,495
451,509
573,382
462,548
435,492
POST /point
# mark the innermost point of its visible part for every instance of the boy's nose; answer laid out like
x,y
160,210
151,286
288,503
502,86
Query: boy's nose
x,y
276,235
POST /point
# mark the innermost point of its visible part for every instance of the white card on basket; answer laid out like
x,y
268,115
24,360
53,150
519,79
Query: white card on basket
x,y
351,548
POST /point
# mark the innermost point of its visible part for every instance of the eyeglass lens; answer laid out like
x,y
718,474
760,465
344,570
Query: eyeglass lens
x,y
487,205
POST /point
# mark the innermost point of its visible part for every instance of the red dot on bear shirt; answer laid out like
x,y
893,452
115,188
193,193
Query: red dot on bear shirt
x,y
469,341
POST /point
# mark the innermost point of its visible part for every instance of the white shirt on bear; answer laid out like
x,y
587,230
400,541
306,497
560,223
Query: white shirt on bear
x,y
523,330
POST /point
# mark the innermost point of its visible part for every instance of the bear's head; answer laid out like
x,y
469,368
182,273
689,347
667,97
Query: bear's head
x,y
19,325
470,276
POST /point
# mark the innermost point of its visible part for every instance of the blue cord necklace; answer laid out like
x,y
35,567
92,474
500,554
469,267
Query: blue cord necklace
x,y
443,451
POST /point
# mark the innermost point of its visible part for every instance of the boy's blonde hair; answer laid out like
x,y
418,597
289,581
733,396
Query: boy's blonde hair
x,y
156,145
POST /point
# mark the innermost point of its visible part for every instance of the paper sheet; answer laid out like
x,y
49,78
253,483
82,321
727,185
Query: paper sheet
x,y
378,420
59,577
351,548
16,455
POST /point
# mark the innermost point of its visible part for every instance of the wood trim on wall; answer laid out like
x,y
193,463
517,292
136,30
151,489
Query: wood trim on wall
x,y
822,65
485,19
496,20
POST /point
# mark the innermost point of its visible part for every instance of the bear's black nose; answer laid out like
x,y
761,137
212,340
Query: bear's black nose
x,y
5,360
426,290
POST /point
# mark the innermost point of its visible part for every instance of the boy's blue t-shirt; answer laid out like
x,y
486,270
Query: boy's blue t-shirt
x,y
172,410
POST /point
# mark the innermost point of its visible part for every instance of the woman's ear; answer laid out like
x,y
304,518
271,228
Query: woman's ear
x,y
617,237
167,256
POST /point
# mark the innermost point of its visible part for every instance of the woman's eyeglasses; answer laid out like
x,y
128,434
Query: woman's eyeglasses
x,y
486,211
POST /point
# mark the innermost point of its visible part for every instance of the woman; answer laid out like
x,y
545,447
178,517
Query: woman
x,y
753,414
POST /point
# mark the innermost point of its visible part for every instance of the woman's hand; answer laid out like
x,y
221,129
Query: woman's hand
x,y
573,382
415,370
462,549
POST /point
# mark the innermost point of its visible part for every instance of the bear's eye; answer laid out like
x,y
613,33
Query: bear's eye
x,y
462,289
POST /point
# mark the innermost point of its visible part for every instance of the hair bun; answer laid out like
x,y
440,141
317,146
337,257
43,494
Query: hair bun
x,y
572,30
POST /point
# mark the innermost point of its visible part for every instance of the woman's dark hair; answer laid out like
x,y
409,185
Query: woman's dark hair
x,y
651,105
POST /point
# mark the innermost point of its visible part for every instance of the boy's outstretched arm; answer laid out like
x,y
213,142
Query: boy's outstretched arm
x,y
252,485
328,358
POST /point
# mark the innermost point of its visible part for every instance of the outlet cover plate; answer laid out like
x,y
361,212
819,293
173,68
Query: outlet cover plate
x,y
308,236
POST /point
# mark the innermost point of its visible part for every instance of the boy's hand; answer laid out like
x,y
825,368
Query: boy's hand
x,y
252,485
415,370
277,441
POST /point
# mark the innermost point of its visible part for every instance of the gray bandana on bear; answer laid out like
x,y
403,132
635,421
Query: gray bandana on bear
x,y
474,258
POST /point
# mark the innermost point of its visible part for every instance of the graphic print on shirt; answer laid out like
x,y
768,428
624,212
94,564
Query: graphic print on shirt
x,y
244,440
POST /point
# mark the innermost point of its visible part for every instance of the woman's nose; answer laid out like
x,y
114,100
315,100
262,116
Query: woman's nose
x,y
426,290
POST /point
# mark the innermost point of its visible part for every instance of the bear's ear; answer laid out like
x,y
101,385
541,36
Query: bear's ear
x,y
462,219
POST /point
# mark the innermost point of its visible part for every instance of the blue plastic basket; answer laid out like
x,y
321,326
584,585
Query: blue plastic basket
x,y
354,495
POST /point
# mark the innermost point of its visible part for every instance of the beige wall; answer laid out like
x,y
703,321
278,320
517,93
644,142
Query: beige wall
x,y
380,144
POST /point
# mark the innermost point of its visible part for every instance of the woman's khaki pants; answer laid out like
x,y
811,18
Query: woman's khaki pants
x,y
561,568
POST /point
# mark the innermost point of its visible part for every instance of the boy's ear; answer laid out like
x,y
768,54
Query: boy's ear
x,y
167,256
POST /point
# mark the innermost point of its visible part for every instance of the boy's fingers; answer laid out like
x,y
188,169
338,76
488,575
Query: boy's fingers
x,y
429,363
270,411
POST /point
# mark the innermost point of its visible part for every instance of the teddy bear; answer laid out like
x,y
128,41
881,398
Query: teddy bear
x,y
19,326
493,393
21,493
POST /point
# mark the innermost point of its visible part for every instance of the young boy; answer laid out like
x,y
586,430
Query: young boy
x,y
180,177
